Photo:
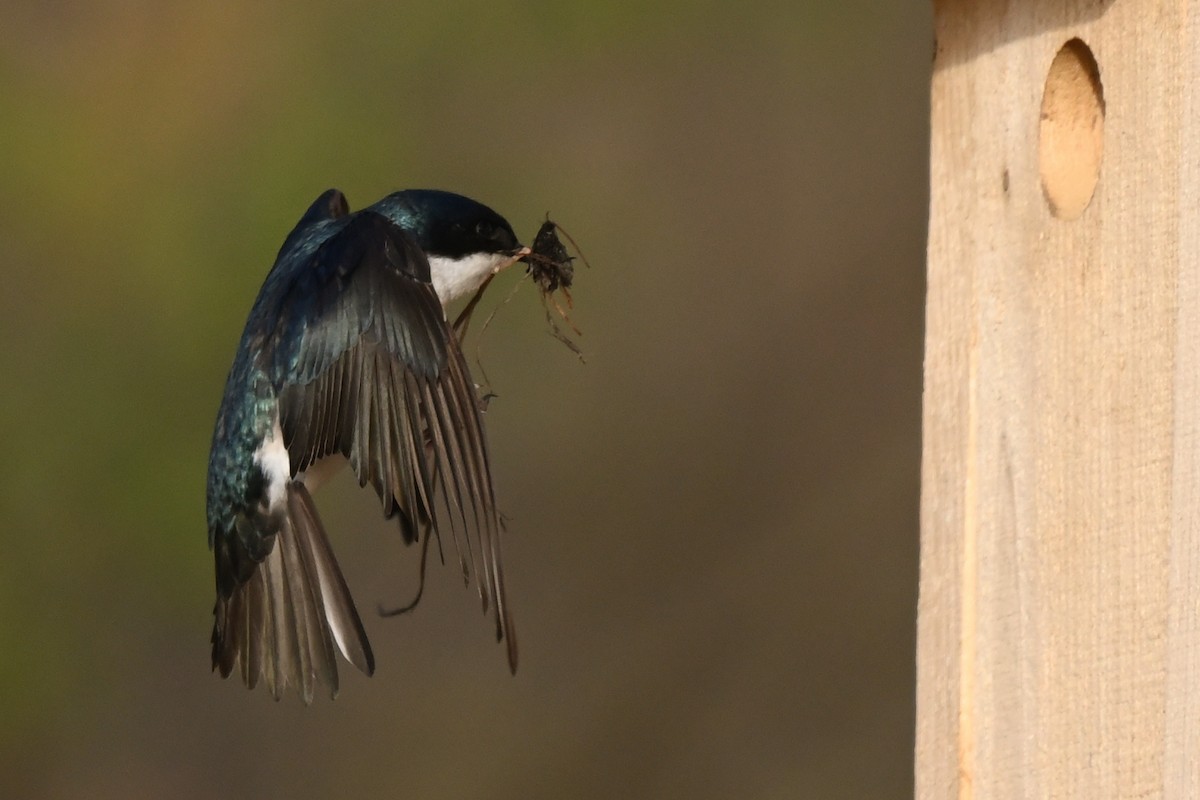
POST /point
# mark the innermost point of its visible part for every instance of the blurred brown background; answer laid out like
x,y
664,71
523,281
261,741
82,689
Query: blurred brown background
x,y
713,523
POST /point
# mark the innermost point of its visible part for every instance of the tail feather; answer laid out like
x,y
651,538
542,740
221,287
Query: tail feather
x,y
303,642
335,605
251,610
283,624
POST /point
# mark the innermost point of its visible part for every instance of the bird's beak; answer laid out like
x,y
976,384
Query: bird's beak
x,y
520,254
516,255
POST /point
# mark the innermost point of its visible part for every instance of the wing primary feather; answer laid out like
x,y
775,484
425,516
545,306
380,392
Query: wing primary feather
x,y
395,455
463,475
379,434
471,472
349,409
444,463
465,407
382,440
333,409
416,444
443,414
477,444
360,453
407,488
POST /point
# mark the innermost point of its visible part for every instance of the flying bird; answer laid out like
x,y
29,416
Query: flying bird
x,y
348,358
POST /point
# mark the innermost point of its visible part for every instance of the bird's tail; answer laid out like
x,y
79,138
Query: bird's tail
x,y
283,624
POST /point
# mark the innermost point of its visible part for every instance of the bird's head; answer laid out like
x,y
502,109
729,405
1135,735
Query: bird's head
x,y
465,241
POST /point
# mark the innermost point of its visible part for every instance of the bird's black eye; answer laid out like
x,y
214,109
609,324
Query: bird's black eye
x,y
486,229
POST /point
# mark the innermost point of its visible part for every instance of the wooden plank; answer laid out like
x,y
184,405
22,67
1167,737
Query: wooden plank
x,y
1060,577
1182,735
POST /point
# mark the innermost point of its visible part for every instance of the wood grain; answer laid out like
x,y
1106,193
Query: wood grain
x,y
1060,560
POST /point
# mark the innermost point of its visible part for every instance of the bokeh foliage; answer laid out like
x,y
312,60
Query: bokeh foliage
x,y
713,555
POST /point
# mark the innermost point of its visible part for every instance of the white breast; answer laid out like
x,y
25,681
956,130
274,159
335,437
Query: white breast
x,y
456,277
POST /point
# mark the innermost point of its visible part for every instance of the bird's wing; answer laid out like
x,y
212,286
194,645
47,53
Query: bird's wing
x,y
329,206
368,368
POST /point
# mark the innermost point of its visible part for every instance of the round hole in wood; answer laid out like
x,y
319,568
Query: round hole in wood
x,y
1071,133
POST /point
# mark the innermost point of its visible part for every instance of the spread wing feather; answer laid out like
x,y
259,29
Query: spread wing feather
x,y
372,371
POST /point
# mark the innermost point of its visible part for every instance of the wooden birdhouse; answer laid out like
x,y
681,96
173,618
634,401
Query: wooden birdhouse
x,y
1059,632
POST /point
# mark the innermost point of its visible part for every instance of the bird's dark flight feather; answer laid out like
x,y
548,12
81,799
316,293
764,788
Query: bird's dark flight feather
x,y
353,352
379,378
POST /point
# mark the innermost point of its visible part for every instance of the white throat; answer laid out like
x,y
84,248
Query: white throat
x,y
455,277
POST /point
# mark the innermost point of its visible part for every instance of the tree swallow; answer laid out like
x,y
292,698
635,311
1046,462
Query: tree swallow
x,y
348,357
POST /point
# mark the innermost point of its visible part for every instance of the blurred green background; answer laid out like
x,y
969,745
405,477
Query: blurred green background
x,y
713,523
